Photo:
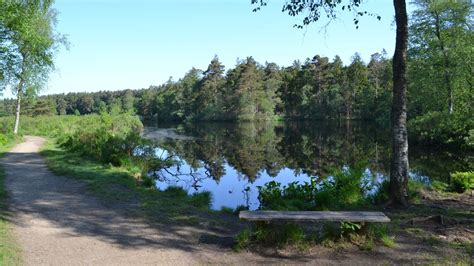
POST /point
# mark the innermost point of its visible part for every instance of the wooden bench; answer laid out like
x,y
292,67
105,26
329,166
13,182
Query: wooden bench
x,y
314,216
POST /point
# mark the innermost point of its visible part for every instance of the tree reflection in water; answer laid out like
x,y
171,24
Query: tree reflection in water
x,y
232,159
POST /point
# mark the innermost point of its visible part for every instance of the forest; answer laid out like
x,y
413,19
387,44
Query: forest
x,y
318,88
440,84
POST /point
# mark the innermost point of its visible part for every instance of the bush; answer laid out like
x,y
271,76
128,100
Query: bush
x,y
462,181
201,200
443,128
106,138
5,139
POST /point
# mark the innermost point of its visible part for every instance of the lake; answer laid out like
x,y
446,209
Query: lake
x,y
232,159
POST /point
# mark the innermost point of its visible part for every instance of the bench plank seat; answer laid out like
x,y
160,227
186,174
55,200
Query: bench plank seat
x,y
324,216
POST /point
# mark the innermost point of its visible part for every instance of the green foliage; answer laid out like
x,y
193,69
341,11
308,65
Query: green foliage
x,y
27,43
365,237
339,231
243,240
442,128
440,45
201,200
382,194
6,138
272,235
462,181
341,190
107,138
317,89
175,191
441,73
49,126
148,182
414,188
349,227
388,241
439,185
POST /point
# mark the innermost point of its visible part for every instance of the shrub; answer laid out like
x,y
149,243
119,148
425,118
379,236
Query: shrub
x,y
439,185
443,128
201,200
344,189
106,138
462,181
243,239
6,138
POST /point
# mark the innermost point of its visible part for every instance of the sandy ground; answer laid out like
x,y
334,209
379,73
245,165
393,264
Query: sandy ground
x,y
57,222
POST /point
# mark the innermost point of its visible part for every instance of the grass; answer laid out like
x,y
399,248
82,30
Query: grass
x,y
271,235
117,186
388,241
9,250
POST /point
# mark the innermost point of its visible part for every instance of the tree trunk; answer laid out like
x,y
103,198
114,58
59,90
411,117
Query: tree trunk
x,y
399,160
18,105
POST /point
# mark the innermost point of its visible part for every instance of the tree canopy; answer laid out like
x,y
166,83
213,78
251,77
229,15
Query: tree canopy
x,y
28,43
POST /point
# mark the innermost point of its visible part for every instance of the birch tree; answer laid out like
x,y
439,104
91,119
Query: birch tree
x,y
28,43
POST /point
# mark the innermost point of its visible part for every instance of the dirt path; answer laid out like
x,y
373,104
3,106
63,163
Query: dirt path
x,y
56,223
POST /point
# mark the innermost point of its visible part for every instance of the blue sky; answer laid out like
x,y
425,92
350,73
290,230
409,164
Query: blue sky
x,y
120,44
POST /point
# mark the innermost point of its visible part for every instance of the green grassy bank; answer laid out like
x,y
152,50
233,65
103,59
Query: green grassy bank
x,y
9,250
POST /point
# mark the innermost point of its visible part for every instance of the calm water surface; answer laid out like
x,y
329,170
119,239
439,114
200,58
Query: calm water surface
x,y
232,159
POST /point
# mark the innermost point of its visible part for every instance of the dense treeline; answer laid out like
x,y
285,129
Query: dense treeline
x,y
316,89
